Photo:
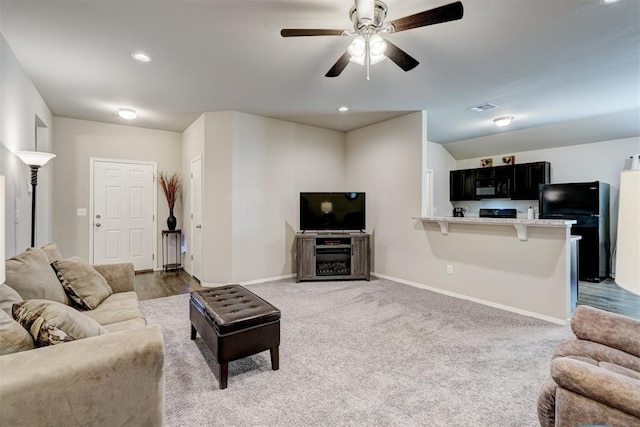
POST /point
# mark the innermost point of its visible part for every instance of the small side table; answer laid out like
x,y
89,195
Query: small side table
x,y
169,238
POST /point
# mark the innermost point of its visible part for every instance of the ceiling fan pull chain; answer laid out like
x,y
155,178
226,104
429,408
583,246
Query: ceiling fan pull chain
x,y
367,54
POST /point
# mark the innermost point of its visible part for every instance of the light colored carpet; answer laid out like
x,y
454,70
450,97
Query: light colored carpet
x,y
364,353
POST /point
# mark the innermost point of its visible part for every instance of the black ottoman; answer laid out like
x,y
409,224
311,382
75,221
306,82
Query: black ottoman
x,y
234,323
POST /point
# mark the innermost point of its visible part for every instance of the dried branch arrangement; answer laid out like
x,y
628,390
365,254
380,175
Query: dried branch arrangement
x,y
171,185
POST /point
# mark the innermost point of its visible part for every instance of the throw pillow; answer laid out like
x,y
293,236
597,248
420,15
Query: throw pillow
x,y
51,323
52,252
30,274
13,337
85,286
8,297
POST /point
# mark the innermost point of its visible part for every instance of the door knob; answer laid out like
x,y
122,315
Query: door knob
x,y
199,226
98,224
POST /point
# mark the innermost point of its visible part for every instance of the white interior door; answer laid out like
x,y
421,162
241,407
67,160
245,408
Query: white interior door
x,y
123,213
196,217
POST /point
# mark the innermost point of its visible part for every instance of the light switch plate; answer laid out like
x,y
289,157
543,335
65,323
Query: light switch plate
x,y
82,212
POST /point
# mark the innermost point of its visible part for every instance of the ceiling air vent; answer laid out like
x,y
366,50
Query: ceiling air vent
x,y
483,107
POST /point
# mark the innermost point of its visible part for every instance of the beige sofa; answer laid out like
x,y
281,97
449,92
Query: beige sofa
x,y
113,379
595,379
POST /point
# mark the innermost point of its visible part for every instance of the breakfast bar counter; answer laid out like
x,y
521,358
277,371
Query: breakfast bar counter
x,y
522,265
521,225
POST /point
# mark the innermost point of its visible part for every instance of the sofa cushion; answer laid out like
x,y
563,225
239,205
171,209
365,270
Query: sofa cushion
x,y
50,322
127,325
30,274
116,308
13,337
8,297
52,252
83,284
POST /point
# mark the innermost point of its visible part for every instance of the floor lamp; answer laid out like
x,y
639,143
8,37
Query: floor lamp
x,y
35,160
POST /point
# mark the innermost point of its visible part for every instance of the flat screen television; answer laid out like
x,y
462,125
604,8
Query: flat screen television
x,y
332,211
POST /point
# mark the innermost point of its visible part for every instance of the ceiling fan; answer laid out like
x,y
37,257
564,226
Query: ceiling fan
x,y
368,47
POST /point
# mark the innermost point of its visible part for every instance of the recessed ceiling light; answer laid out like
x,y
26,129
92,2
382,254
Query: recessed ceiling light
x,y
343,109
503,121
126,113
608,1
140,56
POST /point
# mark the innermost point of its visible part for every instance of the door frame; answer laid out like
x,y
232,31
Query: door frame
x,y
154,226
192,230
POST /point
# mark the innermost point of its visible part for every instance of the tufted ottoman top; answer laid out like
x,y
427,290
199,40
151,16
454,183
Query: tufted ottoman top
x,y
232,308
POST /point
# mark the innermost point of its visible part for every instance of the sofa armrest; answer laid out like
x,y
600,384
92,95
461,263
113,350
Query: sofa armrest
x,y
610,329
606,386
121,277
112,379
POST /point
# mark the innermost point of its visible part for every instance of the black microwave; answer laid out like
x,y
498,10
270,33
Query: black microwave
x,y
496,188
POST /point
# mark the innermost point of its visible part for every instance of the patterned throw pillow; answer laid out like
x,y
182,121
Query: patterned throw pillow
x,y
51,323
83,284
13,337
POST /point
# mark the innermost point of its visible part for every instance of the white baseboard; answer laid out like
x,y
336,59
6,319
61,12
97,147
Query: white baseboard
x,y
476,300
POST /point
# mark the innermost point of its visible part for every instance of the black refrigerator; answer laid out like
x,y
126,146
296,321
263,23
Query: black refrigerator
x,y
588,204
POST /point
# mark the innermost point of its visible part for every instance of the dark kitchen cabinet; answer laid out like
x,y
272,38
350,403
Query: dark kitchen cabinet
x,y
526,179
462,184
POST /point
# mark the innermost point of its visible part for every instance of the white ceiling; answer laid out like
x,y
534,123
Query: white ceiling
x,y
562,68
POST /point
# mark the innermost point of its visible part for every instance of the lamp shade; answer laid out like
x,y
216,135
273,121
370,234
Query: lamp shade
x,y
34,158
2,238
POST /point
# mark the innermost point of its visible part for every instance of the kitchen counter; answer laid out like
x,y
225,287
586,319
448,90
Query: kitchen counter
x,y
520,224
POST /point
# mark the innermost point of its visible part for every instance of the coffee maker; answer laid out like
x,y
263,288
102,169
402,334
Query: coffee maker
x,y
459,212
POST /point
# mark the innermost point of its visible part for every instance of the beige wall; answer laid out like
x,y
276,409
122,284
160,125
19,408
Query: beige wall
x,y
273,161
440,162
489,263
75,142
254,168
21,107
385,161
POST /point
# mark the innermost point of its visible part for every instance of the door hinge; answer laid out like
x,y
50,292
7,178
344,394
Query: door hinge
x,y
191,216
153,217
191,175
191,257
153,256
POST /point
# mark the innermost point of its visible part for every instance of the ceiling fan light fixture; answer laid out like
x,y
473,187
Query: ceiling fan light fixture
x,y
377,45
503,121
126,113
343,108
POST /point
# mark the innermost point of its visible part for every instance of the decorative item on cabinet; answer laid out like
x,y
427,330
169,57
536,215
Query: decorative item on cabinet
x,y
509,160
486,163
171,185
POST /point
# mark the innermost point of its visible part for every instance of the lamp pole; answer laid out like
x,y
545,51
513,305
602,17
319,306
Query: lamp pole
x,y
35,160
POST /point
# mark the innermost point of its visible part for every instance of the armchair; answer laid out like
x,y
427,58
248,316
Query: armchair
x,y
595,379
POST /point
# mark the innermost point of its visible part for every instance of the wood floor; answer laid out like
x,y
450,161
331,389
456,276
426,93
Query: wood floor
x,y
605,295
608,296
160,284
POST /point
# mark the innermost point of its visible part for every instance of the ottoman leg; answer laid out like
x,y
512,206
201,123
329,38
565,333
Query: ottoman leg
x,y
275,358
193,333
223,370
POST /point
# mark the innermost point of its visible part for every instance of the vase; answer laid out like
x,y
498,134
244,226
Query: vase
x,y
171,221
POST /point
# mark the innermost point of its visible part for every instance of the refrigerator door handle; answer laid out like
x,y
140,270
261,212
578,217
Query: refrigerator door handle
x,y
595,215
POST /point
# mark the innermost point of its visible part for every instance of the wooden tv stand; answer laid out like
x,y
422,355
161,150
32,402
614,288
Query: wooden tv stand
x,y
332,256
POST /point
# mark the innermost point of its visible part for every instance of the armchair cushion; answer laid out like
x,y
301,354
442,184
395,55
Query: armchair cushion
x,y
8,296
612,387
52,252
612,330
30,274
50,322
83,284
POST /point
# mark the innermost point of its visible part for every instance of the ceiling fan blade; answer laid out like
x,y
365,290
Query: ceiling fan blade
x,y
446,13
339,66
400,57
300,32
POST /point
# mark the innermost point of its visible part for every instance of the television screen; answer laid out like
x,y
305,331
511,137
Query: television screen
x,y
332,211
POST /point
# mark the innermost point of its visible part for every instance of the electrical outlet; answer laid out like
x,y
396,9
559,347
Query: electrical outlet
x,y
449,269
